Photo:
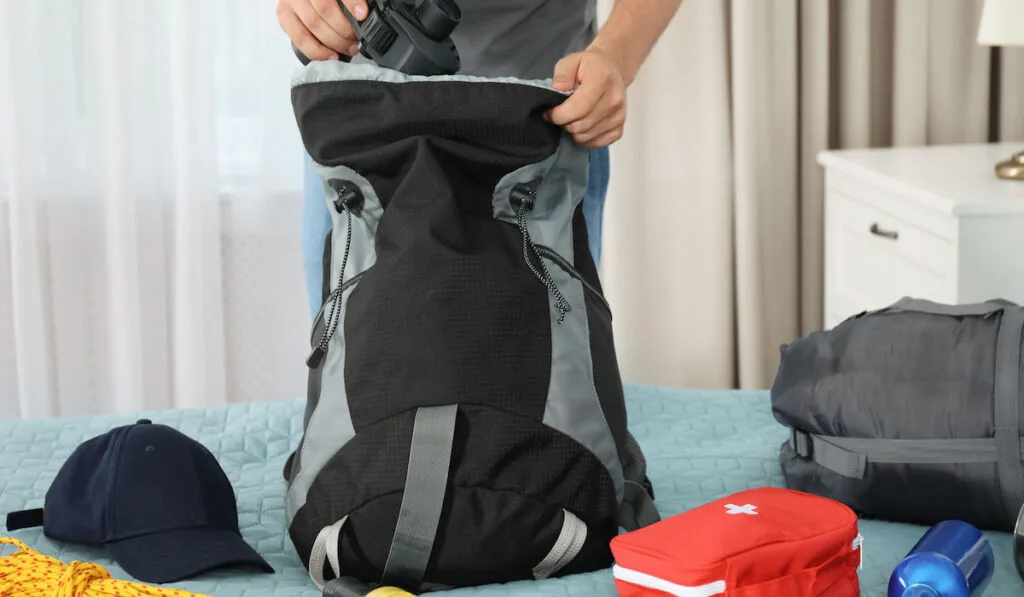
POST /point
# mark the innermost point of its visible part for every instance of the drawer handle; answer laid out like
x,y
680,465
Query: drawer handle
x,y
878,231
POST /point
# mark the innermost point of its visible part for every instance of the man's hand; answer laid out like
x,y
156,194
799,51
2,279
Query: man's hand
x,y
318,28
596,111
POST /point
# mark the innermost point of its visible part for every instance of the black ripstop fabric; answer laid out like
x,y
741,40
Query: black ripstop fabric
x,y
493,450
450,312
478,132
450,308
899,375
509,535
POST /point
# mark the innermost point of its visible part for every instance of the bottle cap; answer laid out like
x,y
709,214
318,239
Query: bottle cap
x,y
920,591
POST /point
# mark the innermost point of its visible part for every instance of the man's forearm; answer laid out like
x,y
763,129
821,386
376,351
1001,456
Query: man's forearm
x,y
632,30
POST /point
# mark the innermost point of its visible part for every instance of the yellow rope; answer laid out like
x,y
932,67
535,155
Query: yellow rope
x,y
28,573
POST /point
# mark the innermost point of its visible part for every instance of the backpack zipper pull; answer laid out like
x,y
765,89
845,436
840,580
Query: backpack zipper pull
x,y
350,202
523,198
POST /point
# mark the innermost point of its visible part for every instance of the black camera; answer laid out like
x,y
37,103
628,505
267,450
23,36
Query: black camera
x,y
411,36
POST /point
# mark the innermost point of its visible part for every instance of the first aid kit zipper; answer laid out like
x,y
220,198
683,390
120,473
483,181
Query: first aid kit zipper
x,y
652,582
349,201
523,198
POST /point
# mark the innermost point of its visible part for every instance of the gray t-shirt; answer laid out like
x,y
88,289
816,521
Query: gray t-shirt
x,y
522,38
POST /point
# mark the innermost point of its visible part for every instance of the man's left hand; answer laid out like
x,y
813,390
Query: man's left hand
x,y
596,111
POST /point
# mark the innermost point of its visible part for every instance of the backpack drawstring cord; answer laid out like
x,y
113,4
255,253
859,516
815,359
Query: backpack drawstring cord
x,y
524,197
350,199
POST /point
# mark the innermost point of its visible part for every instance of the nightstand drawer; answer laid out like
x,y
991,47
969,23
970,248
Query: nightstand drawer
x,y
929,222
877,258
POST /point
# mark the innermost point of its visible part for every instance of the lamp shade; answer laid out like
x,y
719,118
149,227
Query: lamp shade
x,y
1002,23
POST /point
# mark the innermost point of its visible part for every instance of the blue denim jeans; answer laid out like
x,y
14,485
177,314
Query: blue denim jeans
x,y
316,220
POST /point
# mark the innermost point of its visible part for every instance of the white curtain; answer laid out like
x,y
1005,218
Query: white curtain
x,y
150,200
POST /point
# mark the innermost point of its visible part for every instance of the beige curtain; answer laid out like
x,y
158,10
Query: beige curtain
x,y
713,228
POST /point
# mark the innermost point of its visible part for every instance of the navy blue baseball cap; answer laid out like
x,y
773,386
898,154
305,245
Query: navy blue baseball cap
x,y
155,498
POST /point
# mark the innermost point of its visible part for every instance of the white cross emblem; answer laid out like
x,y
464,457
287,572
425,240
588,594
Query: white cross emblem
x,y
744,509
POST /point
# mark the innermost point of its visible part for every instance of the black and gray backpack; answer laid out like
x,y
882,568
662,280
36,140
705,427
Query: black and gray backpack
x,y
465,421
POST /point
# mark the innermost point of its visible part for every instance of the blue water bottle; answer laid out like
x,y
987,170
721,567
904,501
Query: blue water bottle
x,y
953,559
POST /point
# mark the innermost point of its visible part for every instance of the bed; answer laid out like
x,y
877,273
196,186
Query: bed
x,y
700,446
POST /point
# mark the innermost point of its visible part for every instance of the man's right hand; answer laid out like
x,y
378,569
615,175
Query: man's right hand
x,y
318,28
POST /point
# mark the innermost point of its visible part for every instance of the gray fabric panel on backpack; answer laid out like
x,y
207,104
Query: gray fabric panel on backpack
x,y
914,397
564,177
573,406
330,425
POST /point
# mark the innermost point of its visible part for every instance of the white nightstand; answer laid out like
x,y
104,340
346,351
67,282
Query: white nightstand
x,y
928,222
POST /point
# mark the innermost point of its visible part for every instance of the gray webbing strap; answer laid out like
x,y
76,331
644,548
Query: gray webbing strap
x,y
849,456
827,454
425,483
325,550
1007,409
637,509
567,546
965,310
932,308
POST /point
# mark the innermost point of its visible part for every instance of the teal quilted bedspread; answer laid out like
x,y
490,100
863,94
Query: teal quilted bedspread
x,y
700,446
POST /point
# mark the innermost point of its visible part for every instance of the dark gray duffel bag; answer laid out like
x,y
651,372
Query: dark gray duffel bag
x,y
911,413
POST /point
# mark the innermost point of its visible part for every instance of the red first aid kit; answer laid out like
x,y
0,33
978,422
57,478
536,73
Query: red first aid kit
x,y
767,542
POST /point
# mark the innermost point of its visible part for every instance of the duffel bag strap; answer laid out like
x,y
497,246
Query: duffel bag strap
x,y
1007,394
849,456
962,310
917,305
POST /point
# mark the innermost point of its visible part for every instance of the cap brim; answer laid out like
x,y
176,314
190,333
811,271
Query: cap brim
x,y
170,556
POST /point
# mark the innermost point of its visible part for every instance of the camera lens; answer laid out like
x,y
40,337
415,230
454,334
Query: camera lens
x,y
438,17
